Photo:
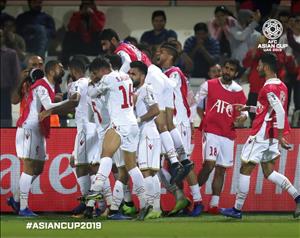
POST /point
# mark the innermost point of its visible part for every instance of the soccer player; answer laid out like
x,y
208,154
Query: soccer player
x,y
268,130
31,133
221,95
161,84
149,148
86,140
181,131
123,132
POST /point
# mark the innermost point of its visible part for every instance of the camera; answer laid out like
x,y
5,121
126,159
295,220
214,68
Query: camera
x,y
34,75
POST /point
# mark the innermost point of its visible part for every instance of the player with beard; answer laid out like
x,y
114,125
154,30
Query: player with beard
x,y
178,121
33,129
162,86
221,95
268,130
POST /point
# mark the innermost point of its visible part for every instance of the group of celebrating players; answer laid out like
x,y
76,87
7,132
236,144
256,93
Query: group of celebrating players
x,y
131,113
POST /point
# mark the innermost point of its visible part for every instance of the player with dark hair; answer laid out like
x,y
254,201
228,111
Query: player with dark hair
x,y
268,130
32,130
179,125
221,95
161,84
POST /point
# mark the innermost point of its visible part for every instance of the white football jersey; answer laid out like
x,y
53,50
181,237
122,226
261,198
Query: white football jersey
x,y
145,99
181,111
81,112
40,98
118,90
101,114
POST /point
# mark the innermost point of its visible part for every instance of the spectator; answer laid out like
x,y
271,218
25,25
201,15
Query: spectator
x,y
285,18
184,62
295,6
243,36
159,34
83,31
10,69
4,16
293,37
36,27
12,39
219,29
267,8
202,49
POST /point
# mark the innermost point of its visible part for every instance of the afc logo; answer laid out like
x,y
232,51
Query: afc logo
x,y
222,106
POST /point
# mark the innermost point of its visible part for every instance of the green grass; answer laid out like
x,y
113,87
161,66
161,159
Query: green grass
x,y
206,226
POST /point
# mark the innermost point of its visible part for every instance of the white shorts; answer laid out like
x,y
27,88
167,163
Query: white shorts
x,y
30,144
86,149
219,149
117,159
186,136
169,98
129,137
149,149
259,152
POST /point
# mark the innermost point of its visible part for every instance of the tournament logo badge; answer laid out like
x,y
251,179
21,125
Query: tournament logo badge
x,y
272,30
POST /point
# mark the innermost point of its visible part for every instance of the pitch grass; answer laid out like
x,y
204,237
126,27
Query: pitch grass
x,y
205,226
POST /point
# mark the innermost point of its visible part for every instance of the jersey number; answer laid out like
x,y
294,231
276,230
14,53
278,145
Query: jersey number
x,y
126,98
213,151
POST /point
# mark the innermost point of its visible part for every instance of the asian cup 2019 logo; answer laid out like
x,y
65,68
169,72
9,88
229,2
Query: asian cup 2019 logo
x,y
272,30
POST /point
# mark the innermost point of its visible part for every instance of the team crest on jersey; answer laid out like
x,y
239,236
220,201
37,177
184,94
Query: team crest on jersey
x,y
81,142
37,149
184,133
150,146
27,136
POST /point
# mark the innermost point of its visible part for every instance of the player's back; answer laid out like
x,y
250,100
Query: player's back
x,y
133,52
81,112
119,98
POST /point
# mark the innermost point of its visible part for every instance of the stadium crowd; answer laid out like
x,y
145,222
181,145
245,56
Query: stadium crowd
x,y
146,82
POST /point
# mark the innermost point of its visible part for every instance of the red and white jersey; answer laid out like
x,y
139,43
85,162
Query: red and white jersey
x,y
101,114
182,109
41,97
145,99
118,90
80,86
271,112
130,53
219,112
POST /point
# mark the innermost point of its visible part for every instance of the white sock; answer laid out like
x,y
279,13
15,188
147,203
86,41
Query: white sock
x,y
102,174
168,145
214,202
118,195
195,190
176,137
283,182
25,185
157,191
107,192
127,193
243,189
84,184
138,184
149,190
